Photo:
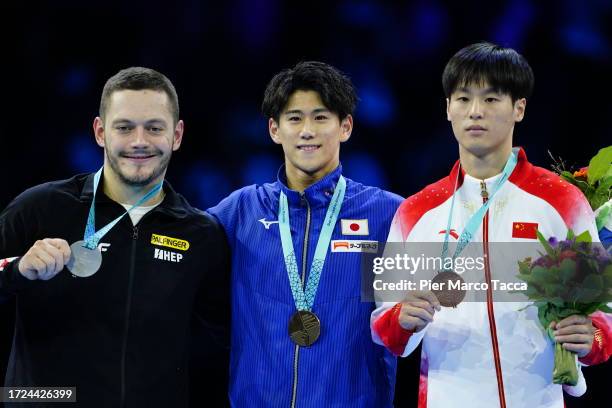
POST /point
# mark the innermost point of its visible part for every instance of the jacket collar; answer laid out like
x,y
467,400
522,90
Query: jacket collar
x,y
318,194
522,167
171,205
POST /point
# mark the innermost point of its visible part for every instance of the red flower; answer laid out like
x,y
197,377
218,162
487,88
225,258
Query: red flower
x,y
568,253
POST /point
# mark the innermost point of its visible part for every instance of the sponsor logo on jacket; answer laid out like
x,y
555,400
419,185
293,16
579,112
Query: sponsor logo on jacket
x,y
174,243
167,255
351,245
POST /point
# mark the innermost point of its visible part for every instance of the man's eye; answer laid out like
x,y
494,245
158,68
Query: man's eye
x,y
491,99
293,118
156,129
123,129
320,117
462,99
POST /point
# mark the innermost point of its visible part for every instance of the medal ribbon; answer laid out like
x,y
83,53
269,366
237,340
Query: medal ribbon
x,y
91,237
305,299
474,222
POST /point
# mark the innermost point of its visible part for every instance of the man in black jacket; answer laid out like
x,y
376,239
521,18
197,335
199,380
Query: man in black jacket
x,y
106,307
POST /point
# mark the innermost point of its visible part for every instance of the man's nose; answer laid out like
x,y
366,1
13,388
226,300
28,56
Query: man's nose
x,y
476,110
139,136
307,131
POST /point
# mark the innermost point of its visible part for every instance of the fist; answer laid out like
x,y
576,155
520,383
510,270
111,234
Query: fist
x,y
418,310
45,259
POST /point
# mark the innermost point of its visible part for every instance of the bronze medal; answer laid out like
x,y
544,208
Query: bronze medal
x,y
304,328
449,297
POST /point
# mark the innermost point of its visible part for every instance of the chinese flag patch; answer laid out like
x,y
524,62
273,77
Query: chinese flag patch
x,y
524,230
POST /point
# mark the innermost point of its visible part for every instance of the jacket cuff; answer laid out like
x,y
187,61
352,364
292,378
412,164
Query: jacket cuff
x,y
393,336
602,341
11,280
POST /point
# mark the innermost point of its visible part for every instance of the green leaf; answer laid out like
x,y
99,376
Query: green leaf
x,y
570,312
596,200
549,249
570,234
603,214
533,293
605,308
590,290
567,176
567,270
604,185
543,275
525,266
557,301
593,281
585,187
607,276
600,164
553,292
585,236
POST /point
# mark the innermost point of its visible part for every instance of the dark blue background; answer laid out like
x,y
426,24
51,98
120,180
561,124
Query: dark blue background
x,y
220,56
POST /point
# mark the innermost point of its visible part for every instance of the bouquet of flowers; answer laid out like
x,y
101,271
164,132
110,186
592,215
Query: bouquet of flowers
x,y
595,181
571,277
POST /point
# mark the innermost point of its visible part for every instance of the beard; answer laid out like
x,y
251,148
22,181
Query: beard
x,y
139,179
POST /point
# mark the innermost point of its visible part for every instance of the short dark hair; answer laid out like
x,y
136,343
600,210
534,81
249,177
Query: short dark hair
x,y
137,79
334,87
504,69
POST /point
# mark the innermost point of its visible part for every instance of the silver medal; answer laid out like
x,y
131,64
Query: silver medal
x,y
84,262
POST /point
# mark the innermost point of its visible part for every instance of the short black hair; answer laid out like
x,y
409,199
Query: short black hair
x,y
504,69
334,87
137,79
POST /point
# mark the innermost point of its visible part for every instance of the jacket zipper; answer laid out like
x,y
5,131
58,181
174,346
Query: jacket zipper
x,y
496,356
304,259
128,307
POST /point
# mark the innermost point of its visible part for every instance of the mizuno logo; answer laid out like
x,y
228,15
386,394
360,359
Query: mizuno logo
x,y
267,223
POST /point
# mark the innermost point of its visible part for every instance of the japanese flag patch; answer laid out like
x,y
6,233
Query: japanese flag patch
x,y
355,227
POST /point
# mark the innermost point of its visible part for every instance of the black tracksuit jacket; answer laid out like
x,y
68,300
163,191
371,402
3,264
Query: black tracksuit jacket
x,y
121,335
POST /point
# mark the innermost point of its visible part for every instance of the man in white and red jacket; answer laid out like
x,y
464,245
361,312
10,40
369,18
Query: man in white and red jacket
x,y
488,354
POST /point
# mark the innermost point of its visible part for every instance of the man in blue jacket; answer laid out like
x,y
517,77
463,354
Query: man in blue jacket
x,y
300,332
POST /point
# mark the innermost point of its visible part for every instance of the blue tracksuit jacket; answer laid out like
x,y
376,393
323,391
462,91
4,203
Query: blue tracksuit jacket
x,y
344,368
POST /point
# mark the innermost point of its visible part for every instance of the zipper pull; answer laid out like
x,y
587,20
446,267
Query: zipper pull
x,y
483,190
135,233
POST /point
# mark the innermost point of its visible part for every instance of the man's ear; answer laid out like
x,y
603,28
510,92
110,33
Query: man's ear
x,y
346,128
178,135
447,112
519,109
273,129
98,128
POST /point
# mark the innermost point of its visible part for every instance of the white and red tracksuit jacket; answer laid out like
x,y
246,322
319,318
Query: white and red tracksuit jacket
x,y
488,354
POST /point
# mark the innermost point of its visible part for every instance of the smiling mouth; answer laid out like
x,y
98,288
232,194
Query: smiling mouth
x,y
309,148
138,157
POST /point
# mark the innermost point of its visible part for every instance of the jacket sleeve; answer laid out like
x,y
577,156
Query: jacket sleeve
x,y
602,342
212,305
228,214
384,321
18,230
210,334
